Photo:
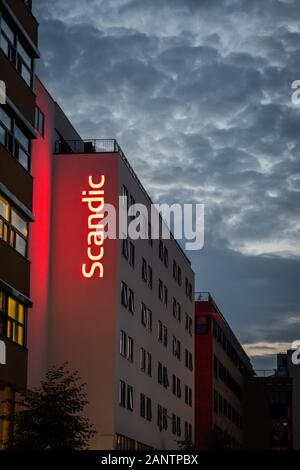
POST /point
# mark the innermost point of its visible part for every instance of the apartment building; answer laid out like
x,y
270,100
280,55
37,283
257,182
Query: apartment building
x,y
221,369
18,52
120,311
272,400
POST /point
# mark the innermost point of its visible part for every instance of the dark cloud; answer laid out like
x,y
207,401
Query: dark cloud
x,y
198,93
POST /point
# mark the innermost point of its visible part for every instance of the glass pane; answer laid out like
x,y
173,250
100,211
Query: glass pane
x,y
4,45
12,308
26,74
23,158
19,223
24,55
4,208
21,137
9,329
5,119
3,231
20,245
7,30
20,335
2,135
21,315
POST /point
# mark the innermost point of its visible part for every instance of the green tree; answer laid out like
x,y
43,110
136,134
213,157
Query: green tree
x,y
50,417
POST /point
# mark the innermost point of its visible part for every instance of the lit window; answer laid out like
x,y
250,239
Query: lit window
x,y
12,319
13,227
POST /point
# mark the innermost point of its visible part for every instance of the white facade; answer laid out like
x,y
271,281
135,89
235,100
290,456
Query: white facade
x,y
128,423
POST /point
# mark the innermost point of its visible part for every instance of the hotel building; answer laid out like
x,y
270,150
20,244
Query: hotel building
x,y
18,51
121,312
221,369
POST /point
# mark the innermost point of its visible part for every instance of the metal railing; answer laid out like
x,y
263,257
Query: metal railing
x,y
89,146
28,3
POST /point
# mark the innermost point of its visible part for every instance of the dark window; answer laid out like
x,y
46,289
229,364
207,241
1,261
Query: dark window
x,y
149,410
15,139
131,301
143,405
39,121
125,250
16,51
131,254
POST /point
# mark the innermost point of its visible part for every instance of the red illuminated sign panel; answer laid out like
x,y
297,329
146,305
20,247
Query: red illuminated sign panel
x,y
95,200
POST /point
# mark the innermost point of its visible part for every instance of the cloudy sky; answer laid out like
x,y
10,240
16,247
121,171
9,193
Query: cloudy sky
x,y
198,94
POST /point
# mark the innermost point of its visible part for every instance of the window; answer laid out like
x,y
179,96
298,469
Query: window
x,y
189,324
162,334
16,52
177,273
176,425
13,227
14,139
225,408
150,234
125,196
163,375
220,404
188,289
144,270
165,296
147,273
179,278
129,398
127,297
124,294
148,409
188,396
143,405
131,301
176,310
176,348
123,344
166,257
150,276
215,367
175,270
146,362
122,394
39,121
162,418
125,249
188,360
128,251
12,319
130,349
146,317
188,432
161,250
216,402
176,386
124,443
131,254
160,290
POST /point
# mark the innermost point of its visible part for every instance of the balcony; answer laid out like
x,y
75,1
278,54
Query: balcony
x,y
96,146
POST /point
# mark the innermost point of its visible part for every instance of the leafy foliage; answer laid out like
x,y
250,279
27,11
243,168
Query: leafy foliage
x,y
50,417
